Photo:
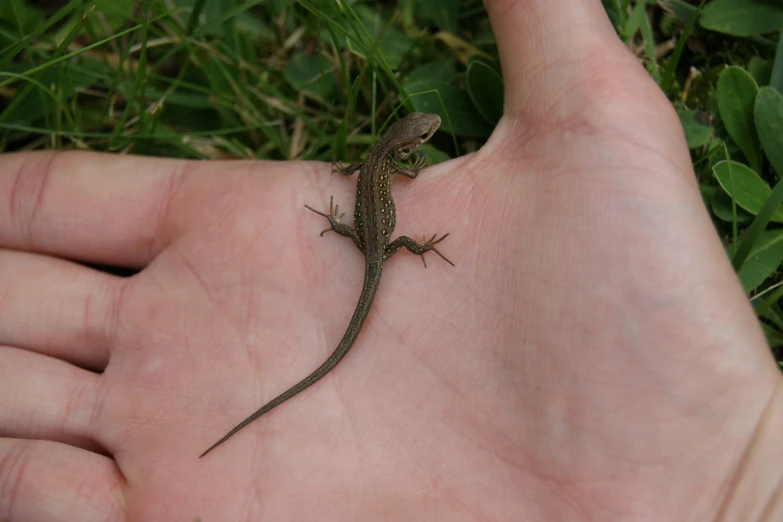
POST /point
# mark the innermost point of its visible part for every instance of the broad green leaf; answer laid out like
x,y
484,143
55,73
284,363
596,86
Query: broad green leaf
x,y
743,17
442,12
484,34
485,88
386,41
721,206
433,155
749,190
769,124
767,213
760,69
774,338
443,71
765,310
697,131
678,9
463,118
312,73
764,259
708,191
776,75
736,99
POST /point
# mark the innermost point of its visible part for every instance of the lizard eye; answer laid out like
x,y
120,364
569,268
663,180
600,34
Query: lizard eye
x,y
424,136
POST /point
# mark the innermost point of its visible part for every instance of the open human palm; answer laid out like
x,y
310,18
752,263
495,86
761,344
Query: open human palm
x,y
590,357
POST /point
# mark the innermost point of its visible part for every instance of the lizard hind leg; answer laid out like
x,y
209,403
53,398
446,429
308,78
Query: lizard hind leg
x,y
417,248
337,225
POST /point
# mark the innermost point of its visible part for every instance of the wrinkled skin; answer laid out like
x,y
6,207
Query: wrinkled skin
x,y
590,357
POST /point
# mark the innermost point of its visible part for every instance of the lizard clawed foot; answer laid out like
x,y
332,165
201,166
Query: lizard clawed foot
x,y
419,162
417,248
334,215
429,244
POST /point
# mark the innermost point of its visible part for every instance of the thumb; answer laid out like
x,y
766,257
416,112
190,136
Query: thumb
x,y
551,51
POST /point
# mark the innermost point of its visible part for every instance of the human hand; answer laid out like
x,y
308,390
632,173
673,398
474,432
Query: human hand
x,y
591,356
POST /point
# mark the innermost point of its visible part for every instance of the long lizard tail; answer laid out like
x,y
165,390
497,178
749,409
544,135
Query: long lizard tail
x,y
370,286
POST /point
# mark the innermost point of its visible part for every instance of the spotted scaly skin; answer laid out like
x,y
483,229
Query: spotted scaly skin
x,y
374,217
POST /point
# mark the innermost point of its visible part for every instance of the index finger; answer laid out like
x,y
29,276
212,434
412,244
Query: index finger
x,y
100,208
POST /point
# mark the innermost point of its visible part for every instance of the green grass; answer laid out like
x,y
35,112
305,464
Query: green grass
x,y
318,79
233,79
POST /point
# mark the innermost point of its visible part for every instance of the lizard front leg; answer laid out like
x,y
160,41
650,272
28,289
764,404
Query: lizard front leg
x,y
348,169
341,228
417,248
412,171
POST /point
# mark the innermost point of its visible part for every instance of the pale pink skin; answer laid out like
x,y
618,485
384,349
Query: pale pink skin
x,y
592,356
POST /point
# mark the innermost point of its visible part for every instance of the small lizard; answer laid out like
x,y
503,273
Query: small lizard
x,y
374,216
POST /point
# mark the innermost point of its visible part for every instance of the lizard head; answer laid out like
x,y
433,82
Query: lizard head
x,y
411,131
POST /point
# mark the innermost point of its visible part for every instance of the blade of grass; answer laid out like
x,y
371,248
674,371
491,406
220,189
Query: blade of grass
x,y
198,7
43,88
776,79
225,17
671,66
140,135
82,50
27,90
734,233
759,224
9,53
769,301
138,85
